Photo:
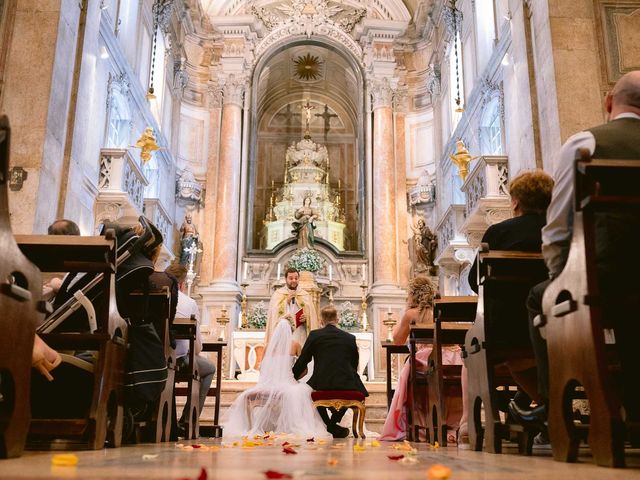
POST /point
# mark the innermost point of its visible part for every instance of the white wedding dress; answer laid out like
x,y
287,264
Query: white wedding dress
x,y
278,403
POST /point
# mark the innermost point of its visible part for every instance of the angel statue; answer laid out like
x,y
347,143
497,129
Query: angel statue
x,y
189,237
303,225
147,144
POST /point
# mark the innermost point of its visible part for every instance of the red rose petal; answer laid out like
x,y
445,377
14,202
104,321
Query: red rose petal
x,y
395,457
275,474
195,445
203,472
285,444
289,451
310,439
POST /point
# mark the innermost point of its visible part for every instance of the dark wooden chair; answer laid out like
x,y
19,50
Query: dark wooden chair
x,y
500,333
417,390
214,430
185,329
452,317
577,312
157,425
20,300
91,416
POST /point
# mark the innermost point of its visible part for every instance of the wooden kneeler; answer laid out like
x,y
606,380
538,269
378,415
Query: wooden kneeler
x,y
20,300
185,329
452,316
500,333
573,321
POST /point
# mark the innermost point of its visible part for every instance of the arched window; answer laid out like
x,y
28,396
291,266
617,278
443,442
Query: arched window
x,y
491,128
118,115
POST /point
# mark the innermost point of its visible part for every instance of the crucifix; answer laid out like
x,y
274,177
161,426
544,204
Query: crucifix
x,y
307,108
192,251
288,115
327,119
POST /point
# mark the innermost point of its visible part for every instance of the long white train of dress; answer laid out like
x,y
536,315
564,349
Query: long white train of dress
x,y
278,403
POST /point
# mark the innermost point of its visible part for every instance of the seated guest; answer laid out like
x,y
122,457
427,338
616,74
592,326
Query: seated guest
x,y
617,139
420,311
45,358
185,309
530,196
335,365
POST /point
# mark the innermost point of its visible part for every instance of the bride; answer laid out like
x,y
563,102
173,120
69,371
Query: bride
x,y
278,403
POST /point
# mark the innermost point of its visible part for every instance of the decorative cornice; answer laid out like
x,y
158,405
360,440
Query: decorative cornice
x,y
214,96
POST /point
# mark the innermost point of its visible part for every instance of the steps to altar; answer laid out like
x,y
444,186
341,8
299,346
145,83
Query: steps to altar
x,y
376,402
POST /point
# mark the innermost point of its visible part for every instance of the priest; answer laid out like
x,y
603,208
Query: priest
x,y
296,305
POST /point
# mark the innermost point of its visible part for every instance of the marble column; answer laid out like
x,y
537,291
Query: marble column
x,y
207,232
384,192
228,185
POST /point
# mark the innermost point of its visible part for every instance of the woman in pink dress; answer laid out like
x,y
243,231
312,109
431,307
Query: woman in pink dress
x,y
420,311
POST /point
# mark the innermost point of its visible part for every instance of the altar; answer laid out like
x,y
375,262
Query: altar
x,y
306,185
247,349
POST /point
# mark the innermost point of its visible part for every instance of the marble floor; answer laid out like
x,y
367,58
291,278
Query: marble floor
x,y
332,460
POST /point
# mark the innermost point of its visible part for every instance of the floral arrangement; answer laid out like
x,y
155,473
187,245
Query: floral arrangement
x,y
348,320
307,260
257,317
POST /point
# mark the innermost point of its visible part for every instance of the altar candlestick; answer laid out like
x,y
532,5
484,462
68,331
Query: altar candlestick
x,y
330,273
279,267
364,273
244,275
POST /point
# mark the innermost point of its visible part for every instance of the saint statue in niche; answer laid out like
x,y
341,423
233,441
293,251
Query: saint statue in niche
x,y
425,243
189,238
303,225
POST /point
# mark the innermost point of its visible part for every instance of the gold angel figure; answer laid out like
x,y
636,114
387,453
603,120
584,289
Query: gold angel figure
x,y
147,144
462,159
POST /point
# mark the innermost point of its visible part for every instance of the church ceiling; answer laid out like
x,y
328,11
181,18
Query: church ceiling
x,y
399,10
329,81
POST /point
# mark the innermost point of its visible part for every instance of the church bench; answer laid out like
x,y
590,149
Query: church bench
x,y
20,303
578,308
500,333
417,387
66,415
157,422
185,329
453,317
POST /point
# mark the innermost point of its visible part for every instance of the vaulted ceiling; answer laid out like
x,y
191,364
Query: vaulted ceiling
x,y
400,10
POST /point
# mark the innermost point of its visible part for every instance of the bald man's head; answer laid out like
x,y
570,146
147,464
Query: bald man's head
x,y
625,96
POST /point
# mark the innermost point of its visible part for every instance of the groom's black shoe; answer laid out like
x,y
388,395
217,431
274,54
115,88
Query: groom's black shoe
x,y
337,431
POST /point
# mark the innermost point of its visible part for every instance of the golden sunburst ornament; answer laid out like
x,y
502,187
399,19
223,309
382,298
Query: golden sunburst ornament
x,y
308,67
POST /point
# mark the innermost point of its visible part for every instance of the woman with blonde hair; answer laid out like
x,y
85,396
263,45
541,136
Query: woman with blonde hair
x,y
420,311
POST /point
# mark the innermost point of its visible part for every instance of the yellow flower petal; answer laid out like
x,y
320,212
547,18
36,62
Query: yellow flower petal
x,y
64,460
332,461
375,443
438,472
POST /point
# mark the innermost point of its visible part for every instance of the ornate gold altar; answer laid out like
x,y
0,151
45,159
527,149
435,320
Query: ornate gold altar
x,y
307,186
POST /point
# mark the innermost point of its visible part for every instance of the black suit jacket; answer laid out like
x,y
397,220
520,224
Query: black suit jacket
x,y
523,233
335,360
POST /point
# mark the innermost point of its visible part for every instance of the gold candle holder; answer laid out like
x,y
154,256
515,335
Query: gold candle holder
x,y
222,320
243,306
389,322
363,307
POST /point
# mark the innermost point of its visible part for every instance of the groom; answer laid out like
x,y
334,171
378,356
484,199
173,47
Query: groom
x,y
335,364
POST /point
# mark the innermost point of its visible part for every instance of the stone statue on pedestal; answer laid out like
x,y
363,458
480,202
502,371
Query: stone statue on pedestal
x,y
424,246
189,238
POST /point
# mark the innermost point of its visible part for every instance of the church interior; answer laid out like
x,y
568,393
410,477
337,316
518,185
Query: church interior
x,y
373,148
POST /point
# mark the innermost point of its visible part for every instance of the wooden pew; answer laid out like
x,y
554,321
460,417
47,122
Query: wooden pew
x,y
576,315
452,317
214,430
20,300
500,333
185,329
419,334
156,426
54,425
